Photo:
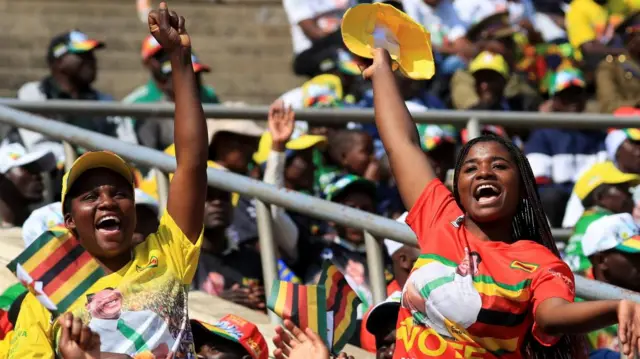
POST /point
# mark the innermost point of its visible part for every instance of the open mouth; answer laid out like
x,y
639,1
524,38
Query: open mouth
x,y
487,193
108,224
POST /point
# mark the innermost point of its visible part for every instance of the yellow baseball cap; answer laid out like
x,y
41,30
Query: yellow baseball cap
x,y
300,143
369,26
602,173
96,159
489,61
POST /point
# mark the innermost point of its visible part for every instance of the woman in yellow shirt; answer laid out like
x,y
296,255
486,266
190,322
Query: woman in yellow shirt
x,y
139,308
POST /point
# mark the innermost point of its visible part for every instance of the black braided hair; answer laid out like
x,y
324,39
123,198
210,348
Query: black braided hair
x,y
530,223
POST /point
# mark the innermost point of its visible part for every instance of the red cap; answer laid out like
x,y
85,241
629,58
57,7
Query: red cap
x,y
237,330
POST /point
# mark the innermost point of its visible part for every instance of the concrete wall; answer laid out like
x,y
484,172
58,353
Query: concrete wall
x,y
246,42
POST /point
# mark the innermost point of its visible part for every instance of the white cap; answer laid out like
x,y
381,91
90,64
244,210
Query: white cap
x,y
143,199
393,246
613,141
384,312
40,221
617,231
15,155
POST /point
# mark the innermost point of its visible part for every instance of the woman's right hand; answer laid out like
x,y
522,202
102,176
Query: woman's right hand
x,y
381,62
77,341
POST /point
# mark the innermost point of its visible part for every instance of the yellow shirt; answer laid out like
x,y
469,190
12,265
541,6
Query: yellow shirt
x,y
142,308
5,343
587,21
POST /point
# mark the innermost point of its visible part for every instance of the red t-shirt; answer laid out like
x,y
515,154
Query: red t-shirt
x,y
467,298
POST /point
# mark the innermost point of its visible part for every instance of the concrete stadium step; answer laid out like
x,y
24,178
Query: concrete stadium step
x,y
239,39
14,23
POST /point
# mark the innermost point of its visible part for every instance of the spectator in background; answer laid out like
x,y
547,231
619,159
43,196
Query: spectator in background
x,y
439,144
158,133
623,149
350,152
494,34
345,246
611,245
557,156
225,268
590,27
315,33
445,21
231,337
378,333
286,162
490,74
618,76
604,191
48,216
21,182
73,70
233,142
342,81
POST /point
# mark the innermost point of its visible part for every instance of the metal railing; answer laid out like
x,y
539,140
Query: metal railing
x,y
377,226
325,116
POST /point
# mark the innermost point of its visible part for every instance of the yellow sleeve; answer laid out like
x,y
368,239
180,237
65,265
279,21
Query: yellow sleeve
x,y
181,255
580,28
32,336
5,344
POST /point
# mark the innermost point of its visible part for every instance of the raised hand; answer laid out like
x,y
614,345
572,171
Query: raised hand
x,y
381,61
294,343
629,327
168,29
77,341
281,123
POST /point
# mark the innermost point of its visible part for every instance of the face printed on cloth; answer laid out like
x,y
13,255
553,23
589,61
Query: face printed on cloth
x,y
106,304
443,297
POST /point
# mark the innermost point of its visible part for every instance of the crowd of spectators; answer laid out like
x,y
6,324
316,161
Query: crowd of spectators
x,y
545,56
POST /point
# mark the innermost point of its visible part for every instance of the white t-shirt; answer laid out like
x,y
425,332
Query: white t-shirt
x,y
327,12
445,21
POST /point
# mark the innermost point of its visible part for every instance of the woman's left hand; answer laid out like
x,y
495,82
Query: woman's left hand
x,y
629,327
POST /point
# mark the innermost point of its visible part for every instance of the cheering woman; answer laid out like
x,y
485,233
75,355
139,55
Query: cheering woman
x,y
493,226
139,307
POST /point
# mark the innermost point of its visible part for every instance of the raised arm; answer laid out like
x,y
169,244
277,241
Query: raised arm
x,y
189,185
281,124
398,132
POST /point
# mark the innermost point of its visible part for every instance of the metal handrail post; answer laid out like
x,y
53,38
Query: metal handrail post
x,y
473,128
69,155
162,188
375,263
267,252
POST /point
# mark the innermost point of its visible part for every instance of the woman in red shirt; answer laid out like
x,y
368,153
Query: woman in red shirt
x,y
489,282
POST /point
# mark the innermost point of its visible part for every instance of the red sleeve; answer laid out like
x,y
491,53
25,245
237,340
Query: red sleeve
x,y
435,205
553,281
367,340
